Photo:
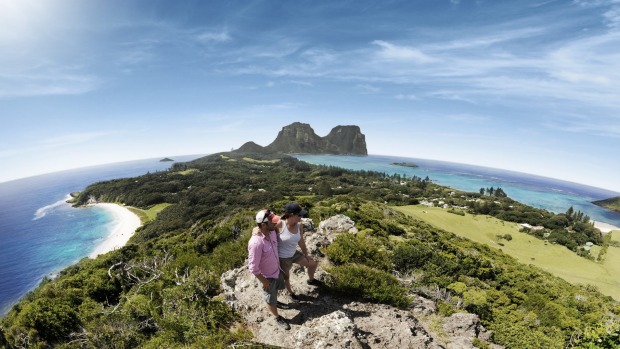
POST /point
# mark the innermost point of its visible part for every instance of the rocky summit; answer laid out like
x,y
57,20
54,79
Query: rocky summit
x,y
300,138
320,319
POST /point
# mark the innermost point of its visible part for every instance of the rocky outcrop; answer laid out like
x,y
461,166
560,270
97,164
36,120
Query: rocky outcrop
x,y
337,224
347,140
299,138
320,319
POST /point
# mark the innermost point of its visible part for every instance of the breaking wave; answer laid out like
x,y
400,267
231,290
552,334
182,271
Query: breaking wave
x,y
43,211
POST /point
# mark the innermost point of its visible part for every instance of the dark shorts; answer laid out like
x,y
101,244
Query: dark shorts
x,y
287,263
271,297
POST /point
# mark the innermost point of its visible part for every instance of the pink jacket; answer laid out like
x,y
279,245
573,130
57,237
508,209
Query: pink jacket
x,y
263,255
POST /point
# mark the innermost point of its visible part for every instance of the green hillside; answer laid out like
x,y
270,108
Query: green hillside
x,y
610,204
161,289
556,259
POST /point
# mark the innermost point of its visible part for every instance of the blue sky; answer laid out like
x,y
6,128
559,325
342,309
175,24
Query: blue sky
x,y
530,86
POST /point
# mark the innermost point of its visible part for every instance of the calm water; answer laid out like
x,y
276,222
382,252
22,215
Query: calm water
x,y
40,234
542,192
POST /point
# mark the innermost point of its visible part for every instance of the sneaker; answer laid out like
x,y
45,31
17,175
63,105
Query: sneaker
x,y
283,323
314,282
282,305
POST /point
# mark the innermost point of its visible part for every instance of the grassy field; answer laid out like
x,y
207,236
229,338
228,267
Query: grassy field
x,y
260,161
555,259
148,215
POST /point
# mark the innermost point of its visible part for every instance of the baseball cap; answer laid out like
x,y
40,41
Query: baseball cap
x,y
264,216
294,208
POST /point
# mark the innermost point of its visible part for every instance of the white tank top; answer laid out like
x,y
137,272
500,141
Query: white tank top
x,y
287,242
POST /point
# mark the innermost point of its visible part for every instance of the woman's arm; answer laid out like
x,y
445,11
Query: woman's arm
x,y
302,242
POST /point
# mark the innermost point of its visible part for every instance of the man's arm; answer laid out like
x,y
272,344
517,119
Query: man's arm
x,y
263,280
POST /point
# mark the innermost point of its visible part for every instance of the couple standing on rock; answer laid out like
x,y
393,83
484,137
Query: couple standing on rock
x,y
272,250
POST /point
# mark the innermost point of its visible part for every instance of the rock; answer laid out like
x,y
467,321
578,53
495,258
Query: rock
x,y
300,138
338,224
331,330
423,306
463,328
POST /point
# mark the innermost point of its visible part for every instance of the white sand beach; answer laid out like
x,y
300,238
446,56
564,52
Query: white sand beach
x,y
604,227
125,224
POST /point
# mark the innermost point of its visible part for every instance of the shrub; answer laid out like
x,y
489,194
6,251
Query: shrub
x,y
411,255
445,309
349,248
368,283
53,319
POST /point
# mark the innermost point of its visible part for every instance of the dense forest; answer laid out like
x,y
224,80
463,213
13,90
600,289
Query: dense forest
x,y
161,289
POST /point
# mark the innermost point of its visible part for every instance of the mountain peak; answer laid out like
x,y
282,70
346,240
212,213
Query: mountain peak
x,y
301,138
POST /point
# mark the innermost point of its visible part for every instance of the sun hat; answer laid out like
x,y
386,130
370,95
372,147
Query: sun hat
x,y
294,208
264,216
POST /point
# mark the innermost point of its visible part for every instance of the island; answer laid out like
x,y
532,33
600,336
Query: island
x,y
405,164
165,160
610,204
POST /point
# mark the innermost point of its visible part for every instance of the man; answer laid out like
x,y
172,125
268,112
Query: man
x,y
263,262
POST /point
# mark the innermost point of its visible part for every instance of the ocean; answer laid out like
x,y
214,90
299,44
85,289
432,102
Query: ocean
x,y
541,192
40,234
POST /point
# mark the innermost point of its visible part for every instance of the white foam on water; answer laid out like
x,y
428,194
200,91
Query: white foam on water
x,y
43,211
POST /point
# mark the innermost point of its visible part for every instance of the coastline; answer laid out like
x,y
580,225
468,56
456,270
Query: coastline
x,y
605,227
124,226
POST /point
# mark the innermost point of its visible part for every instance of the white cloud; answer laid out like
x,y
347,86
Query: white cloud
x,y
406,97
401,53
217,37
612,17
72,139
575,77
302,83
368,88
46,82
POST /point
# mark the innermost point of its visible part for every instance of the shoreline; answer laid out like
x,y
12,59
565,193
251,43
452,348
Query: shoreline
x,y
605,227
124,224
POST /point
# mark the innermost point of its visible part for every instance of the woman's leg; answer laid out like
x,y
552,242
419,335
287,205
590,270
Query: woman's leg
x,y
285,266
310,265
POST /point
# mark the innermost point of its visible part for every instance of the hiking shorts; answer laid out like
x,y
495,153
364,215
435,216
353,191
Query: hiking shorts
x,y
271,296
287,263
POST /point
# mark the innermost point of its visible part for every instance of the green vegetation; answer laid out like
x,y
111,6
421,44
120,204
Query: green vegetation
x,y
610,204
405,164
260,161
572,229
552,258
160,290
148,214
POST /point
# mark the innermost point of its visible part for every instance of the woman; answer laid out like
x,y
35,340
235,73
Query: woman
x,y
291,235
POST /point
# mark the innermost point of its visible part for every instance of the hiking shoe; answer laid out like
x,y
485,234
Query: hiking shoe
x,y
282,305
282,323
314,282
